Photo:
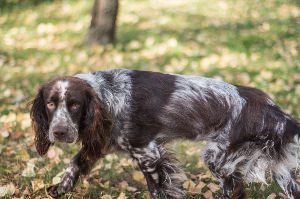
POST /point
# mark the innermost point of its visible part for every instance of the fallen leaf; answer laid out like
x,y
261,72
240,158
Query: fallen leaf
x,y
147,195
138,176
23,155
122,196
56,180
7,190
29,170
26,192
208,195
272,196
189,185
213,187
123,185
54,153
37,184
131,189
106,196
4,133
198,188
205,176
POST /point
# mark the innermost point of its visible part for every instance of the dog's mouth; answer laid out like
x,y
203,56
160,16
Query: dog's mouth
x,y
68,140
65,138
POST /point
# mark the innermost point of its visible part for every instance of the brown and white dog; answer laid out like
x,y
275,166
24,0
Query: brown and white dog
x,y
248,137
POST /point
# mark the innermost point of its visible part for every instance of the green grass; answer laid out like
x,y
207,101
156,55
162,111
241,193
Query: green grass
x,y
242,42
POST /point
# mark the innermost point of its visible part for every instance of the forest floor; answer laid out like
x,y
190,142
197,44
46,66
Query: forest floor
x,y
253,43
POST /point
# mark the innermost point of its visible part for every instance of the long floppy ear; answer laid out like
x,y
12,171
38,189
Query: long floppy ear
x,y
96,134
40,123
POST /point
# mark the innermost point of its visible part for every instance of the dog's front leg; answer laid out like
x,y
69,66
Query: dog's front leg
x,y
79,165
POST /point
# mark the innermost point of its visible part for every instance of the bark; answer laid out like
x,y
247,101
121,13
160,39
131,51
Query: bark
x,y
103,24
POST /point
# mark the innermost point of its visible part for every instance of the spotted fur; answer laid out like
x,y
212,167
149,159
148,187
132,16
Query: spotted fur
x,y
249,138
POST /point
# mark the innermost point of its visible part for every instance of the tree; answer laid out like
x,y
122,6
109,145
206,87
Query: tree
x,y
103,24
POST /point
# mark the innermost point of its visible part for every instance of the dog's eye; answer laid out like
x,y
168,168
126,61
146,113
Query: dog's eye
x,y
74,106
51,106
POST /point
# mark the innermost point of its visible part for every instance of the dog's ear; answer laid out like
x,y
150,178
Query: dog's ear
x,y
96,134
40,123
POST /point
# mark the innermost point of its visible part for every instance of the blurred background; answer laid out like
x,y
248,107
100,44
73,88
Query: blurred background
x,y
254,43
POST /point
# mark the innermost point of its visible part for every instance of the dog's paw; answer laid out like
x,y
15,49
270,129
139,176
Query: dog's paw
x,y
53,191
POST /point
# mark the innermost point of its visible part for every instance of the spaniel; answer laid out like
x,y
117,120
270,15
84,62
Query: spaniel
x,y
249,138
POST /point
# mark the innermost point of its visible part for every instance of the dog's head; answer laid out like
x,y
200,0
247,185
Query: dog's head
x,y
67,109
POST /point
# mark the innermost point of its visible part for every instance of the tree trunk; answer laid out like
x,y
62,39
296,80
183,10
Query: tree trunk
x,y
103,24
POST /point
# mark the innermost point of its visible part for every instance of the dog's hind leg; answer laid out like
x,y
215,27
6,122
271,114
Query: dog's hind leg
x,y
233,187
286,182
161,171
223,167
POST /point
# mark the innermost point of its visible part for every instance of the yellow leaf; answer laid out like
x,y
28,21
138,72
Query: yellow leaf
x,y
146,195
106,196
37,184
138,176
122,196
23,155
189,185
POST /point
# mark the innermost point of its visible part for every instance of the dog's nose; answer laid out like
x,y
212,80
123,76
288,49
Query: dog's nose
x,y
60,132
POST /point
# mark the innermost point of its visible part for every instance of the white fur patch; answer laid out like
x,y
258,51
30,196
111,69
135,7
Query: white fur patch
x,y
115,94
196,86
62,87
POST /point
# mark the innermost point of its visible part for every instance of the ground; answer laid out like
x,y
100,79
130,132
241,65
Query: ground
x,y
254,43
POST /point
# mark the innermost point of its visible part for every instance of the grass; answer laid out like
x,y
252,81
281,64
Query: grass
x,y
242,42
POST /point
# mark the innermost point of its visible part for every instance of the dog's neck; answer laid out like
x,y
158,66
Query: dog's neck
x,y
113,88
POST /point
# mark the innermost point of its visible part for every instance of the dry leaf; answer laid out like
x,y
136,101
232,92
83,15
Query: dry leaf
x,y
123,185
122,196
29,170
56,180
7,190
205,176
147,195
4,133
106,196
23,155
54,153
272,196
208,195
37,184
138,176
131,189
189,185
26,192
197,189
213,187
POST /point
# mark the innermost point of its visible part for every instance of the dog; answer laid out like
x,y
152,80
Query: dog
x,y
249,138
